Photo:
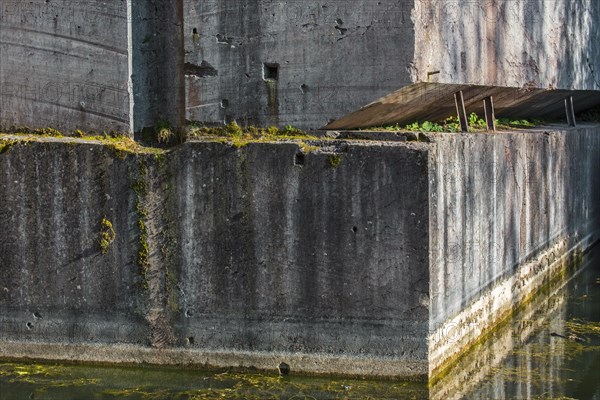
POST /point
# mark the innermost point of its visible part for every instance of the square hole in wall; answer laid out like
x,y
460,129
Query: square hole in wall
x,y
299,159
271,71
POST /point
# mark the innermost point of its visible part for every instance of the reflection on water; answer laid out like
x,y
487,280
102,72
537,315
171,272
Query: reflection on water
x,y
550,350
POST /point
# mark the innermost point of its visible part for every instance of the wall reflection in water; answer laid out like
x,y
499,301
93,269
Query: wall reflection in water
x,y
550,349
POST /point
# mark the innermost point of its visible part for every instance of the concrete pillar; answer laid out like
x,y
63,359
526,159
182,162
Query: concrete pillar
x,y
157,57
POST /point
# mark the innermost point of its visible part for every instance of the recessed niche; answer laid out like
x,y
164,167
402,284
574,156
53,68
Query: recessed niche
x,y
271,72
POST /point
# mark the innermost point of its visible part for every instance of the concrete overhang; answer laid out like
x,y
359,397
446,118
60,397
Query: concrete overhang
x,y
435,102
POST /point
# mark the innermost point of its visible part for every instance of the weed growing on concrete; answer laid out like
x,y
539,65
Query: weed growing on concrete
x,y
452,124
507,123
334,160
475,122
107,235
240,136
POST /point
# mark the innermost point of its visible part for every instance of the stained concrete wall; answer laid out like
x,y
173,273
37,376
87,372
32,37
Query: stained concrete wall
x,y
335,57
119,65
253,252
541,43
332,57
388,263
505,208
94,66
64,65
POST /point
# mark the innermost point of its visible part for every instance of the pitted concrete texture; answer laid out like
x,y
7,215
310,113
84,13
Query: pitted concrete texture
x,y
505,209
260,250
329,57
379,253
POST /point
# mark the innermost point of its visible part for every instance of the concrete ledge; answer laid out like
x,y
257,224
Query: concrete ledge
x,y
308,364
363,258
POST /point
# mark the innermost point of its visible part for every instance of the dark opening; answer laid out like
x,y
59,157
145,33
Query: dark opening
x,y
191,340
224,103
299,159
195,31
354,229
271,71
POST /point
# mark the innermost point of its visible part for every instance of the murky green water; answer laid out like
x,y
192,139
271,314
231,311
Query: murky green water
x,y
551,350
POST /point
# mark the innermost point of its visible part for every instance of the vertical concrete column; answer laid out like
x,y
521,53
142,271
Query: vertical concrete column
x,y
156,65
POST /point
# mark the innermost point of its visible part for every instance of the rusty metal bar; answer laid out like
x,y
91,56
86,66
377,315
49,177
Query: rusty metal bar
x,y
461,111
490,115
570,111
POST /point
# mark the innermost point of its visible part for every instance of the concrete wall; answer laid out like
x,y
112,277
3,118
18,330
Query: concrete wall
x,y
93,66
119,65
508,43
389,263
505,208
333,57
64,65
250,254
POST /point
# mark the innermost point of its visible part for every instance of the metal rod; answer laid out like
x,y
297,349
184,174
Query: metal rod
x,y
490,116
570,111
461,111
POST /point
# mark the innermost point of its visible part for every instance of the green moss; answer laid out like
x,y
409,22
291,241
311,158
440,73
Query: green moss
x,y
582,328
567,268
5,145
141,190
307,148
246,134
334,160
107,235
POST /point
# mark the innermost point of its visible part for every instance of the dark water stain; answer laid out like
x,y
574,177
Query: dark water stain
x,y
550,350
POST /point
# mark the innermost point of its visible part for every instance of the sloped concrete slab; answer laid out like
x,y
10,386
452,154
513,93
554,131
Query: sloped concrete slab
x,y
428,101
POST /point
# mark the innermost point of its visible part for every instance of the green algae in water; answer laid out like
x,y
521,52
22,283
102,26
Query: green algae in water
x,y
71,382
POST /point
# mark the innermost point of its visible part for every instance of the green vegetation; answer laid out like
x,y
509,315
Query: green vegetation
x,y
5,145
107,235
241,136
452,124
335,160
164,132
141,190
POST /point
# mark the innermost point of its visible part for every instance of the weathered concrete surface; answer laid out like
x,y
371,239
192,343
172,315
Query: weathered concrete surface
x,y
253,259
156,51
89,65
540,43
333,57
505,209
64,65
359,258
119,65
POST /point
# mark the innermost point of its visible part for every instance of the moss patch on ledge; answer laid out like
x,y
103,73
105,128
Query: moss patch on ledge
x,y
121,145
239,137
